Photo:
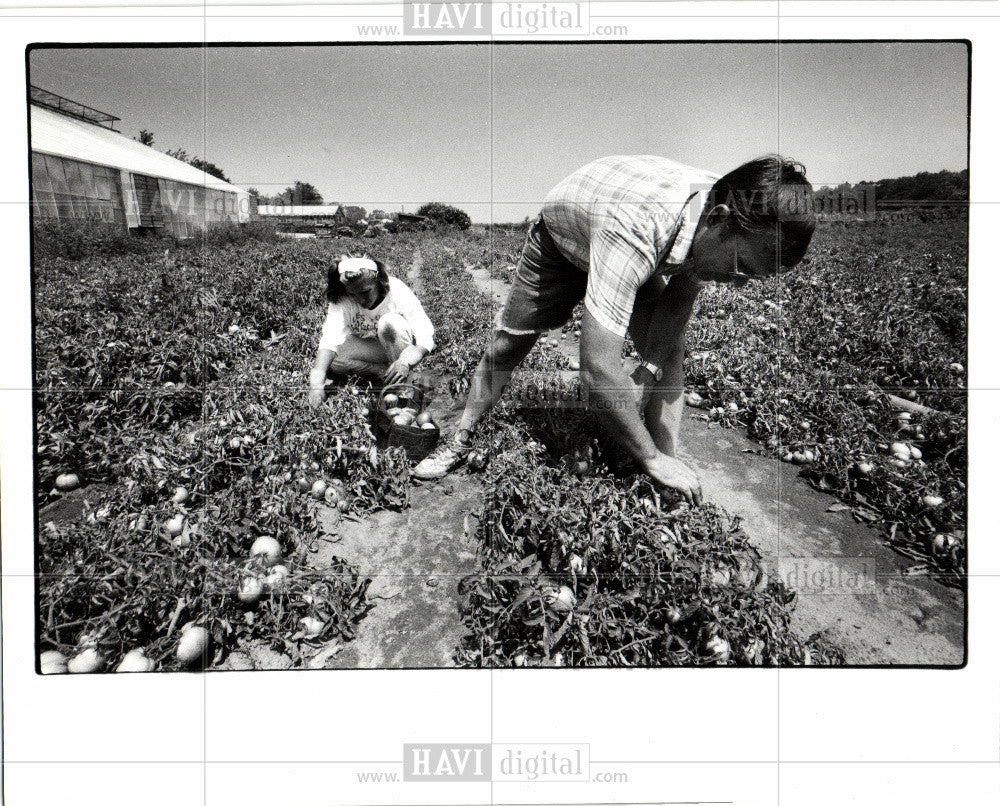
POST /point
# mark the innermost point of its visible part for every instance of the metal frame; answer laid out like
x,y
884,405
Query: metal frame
x,y
73,109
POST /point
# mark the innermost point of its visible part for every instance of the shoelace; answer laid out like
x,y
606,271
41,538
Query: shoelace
x,y
440,451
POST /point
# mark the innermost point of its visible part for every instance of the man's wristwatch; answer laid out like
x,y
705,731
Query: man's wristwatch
x,y
652,369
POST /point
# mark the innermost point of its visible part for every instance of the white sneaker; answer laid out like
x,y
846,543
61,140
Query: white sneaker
x,y
441,461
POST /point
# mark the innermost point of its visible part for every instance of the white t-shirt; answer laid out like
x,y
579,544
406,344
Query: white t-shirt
x,y
346,318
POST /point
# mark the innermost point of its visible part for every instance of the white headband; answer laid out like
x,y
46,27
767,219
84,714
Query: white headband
x,y
350,267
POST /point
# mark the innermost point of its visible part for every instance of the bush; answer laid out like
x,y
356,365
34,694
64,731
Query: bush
x,y
73,240
230,233
443,214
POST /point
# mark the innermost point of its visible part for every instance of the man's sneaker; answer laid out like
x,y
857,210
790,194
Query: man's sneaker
x,y
441,461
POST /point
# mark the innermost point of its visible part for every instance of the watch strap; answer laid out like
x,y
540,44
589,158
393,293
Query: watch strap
x,y
653,370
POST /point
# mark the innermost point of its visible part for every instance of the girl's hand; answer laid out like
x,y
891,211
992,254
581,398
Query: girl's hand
x,y
398,372
316,396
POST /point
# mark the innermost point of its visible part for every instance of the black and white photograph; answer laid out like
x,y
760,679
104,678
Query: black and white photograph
x,y
542,418
312,392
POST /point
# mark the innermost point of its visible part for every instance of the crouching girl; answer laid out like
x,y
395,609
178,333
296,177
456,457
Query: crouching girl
x,y
375,325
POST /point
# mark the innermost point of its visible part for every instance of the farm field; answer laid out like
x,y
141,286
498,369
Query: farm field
x,y
172,385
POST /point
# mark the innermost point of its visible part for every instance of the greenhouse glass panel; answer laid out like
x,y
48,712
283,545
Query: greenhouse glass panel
x,y
74,179
57,175
40,174
41,188
64,206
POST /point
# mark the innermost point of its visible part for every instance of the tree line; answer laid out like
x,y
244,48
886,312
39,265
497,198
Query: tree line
x,y
147,138
925,186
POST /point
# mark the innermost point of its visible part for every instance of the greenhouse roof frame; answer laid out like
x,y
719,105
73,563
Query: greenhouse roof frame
x,y
73,109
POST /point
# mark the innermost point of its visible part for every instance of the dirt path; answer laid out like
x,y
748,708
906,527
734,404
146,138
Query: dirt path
x,y
413,275
415,560
485,282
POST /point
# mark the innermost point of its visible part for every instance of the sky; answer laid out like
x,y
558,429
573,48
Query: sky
x,y
491,128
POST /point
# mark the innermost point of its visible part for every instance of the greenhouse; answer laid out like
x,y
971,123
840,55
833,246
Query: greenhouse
x,y
84,170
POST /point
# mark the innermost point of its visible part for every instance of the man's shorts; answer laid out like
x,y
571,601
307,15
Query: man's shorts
x,y
547,286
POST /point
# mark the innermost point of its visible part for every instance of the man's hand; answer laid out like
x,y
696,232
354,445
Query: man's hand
x,y
398,372
673,473
316,396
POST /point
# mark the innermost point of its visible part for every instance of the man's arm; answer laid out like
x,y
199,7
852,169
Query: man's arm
x,y
609,388
664,347
613,401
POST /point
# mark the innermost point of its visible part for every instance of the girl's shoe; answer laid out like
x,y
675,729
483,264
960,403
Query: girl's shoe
x,y
442,460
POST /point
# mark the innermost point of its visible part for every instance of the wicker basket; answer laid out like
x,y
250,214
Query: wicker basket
x,y
416,441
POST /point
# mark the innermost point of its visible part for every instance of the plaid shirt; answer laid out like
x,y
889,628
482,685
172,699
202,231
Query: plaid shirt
x,y
622,220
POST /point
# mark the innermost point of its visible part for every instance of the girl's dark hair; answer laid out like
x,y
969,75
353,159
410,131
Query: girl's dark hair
x,y
770,193
335,290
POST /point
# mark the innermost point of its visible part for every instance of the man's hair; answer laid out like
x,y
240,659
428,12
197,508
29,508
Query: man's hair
x,y
335,290
770,193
